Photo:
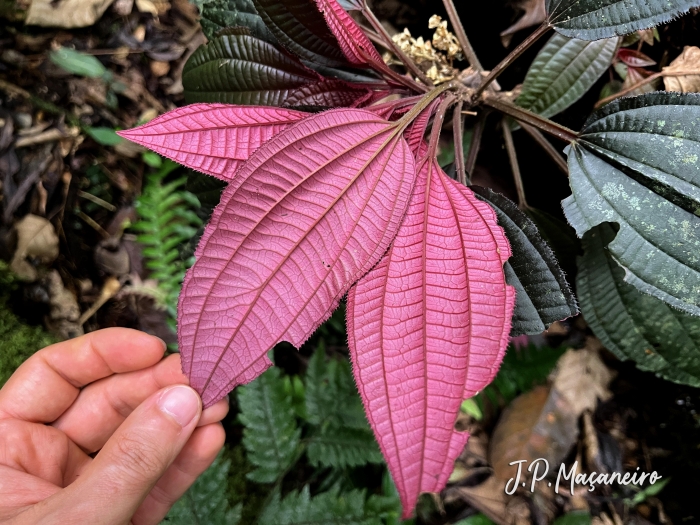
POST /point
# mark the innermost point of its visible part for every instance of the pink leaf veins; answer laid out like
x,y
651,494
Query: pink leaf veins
x,y
428,327
212,138
355,45
307,215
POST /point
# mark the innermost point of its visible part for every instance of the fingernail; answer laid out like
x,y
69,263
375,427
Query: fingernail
x,y
165,345
181,403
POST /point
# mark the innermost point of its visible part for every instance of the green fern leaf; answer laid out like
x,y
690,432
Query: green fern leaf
x,y
271,435
343,447
331,395
327,508
167,221
205,502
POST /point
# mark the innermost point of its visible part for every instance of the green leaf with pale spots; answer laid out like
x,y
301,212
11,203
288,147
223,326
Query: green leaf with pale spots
x,y
596,19
636,164
631,324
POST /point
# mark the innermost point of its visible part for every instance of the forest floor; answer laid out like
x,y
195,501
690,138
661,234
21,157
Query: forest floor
x,y
68,187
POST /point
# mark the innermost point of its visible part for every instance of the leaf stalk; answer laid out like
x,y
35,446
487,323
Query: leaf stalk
x,y
512,56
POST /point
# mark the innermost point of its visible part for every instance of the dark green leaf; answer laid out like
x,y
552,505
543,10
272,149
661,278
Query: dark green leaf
x,y
560,236
271,436
596,19
104,136
300,27
542,293
563,71
340,447
205,502
240,69
220,14
631,324
77,63
327,508
636,164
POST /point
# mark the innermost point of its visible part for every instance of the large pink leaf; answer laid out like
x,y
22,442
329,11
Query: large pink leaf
x,y
416,131
212,138
355,45
428,327
307,215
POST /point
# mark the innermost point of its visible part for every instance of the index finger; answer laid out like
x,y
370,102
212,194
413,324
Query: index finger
x,y
49,381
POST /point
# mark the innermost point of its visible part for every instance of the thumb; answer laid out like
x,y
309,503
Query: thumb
x,y
123,473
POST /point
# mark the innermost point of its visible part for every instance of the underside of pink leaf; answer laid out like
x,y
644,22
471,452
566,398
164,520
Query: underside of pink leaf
x,y
416,131
428,327
329,93
353,42
307,215
212,138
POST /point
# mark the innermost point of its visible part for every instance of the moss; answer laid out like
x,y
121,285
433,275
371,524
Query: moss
x,y
19,340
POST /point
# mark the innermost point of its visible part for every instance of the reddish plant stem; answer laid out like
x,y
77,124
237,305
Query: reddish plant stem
x,y
458,134
512,56
462,35
514,166
437,124
547,147
535,120
408,61
643,82
474,146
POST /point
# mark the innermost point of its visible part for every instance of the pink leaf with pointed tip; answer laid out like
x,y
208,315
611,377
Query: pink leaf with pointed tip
x,y
416,131
212,138
332,93
307,215
427,328
355,45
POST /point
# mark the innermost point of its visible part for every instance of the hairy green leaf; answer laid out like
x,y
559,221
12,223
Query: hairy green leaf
x,y
241,69
340,447
300,27
636,164
596,19
327,508
542,293
631,324
563,71
271,436
205,502
220,14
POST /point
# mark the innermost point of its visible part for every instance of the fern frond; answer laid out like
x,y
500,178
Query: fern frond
x,y
343,447
331,395
327,508
205,503
167,221
271,435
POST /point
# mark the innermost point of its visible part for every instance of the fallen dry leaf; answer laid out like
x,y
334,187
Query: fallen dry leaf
x,y
543,423
66,13
534,14
688,60
36,239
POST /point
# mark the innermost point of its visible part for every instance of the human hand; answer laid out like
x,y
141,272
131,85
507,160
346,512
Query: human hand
x,y
108,391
